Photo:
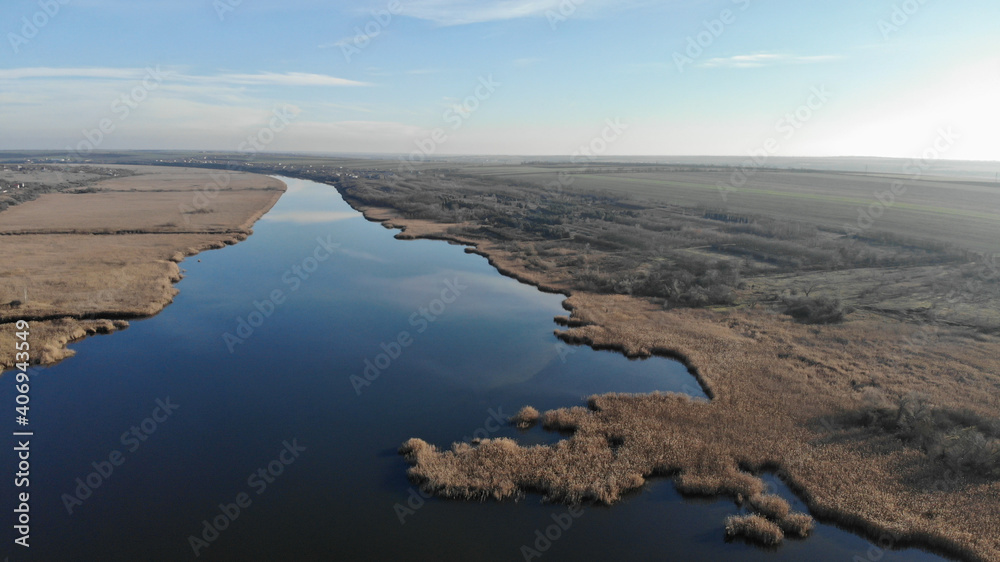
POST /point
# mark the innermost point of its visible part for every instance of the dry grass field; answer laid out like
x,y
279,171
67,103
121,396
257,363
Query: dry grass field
x,y
861,367
74,261
158,200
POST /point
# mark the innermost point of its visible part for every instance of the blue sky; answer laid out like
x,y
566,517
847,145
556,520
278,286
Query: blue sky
x,y
890,75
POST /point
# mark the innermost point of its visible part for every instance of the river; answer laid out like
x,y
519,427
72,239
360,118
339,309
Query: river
x,y
270,397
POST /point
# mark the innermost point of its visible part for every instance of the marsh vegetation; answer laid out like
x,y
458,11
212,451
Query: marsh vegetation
x,y
84,261
785,311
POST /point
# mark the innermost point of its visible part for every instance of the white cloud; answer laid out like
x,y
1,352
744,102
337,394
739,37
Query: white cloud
x,y
47,72
57,108
765,59
337,44
645,67
288,79
461,12
340,107
258,79
527,61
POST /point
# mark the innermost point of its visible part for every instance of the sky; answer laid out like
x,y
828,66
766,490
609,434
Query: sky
x,y
913,78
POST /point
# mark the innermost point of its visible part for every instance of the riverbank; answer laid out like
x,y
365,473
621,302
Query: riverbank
x,y
826,406
782,394
84,262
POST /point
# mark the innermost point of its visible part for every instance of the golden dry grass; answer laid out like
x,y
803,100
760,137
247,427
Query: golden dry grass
x,y
769,505
58,249
49,338
156,200
412,228
797,524
755,529
525,418
773,384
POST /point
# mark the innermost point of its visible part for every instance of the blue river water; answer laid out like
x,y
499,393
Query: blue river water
x,y
269,400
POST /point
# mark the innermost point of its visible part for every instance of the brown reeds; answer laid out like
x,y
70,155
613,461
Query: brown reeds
x,y
774,382
72,276
754,528
797,524
769,505
525,418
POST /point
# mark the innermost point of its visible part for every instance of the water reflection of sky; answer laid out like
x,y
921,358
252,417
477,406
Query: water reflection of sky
x,y
309,217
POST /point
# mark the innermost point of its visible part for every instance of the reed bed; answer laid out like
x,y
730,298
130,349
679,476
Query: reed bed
x,y
525,418
778,390
754,528
73,277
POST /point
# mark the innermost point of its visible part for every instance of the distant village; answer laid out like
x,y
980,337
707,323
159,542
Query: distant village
x,y
25,182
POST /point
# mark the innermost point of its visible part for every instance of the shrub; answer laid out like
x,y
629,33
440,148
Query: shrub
x,y
969,451
815,310
691,283
962,440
